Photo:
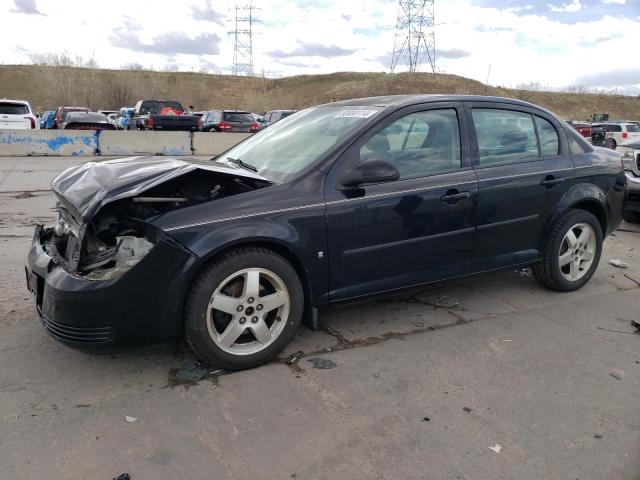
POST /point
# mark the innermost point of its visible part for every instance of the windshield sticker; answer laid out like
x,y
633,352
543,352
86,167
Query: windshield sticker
x,y
356,113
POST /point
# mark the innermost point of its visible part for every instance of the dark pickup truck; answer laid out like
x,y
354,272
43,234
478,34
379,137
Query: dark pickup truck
x,y
162,115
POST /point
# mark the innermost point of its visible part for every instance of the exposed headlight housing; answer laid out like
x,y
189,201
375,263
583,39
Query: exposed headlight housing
x,y
627,157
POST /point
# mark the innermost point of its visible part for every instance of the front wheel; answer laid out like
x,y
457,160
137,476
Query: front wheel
x,y
571,253
243,308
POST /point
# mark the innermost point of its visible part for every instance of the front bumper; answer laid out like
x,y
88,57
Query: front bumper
x,y
141,306
632,199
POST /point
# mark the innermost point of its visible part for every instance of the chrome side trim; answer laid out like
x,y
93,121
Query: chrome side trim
x,y
237,217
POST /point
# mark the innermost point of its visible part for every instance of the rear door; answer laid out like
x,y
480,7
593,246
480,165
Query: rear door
x,y
410,231
12,115
524,168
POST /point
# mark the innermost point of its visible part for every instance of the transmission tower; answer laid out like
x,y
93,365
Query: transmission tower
x,y
243,40
415,39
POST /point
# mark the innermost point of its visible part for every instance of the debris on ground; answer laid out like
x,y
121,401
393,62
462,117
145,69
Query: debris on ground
x,y
525,272
322,363
418,324
124,476
635,324
426,419
617,374
294,357
619,263
598,435
129,419
496,448
376,375
192,370
466,409
635,280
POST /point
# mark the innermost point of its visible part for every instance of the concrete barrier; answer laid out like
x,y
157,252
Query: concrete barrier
x,y
112,142
207,143
67,143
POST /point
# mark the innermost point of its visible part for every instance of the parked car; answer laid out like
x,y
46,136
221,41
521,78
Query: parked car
x,y
17,115
47,119
331,205
107,112
619,132
229,121
62,112
86,121
274,116
123,117
630,151
582,128
162,115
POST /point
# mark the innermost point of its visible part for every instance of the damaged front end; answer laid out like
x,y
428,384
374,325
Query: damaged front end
x,y
103,273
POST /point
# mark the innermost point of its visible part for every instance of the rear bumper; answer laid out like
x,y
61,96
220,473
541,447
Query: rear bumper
x,y
141,306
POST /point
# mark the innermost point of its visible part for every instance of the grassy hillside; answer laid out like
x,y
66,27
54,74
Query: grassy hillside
x,y
48,87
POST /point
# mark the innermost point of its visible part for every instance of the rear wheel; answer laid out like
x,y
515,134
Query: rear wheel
x,y
243,308
571,253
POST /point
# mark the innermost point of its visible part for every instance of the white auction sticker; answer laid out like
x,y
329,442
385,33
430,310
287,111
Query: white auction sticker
x,y
356,113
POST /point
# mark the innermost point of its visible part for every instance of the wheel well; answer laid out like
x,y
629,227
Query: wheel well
x,y
596,210
274,247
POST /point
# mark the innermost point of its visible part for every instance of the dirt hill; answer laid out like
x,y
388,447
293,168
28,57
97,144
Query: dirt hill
x,y
47,87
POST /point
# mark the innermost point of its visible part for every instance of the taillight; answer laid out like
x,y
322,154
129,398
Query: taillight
x,y
625,135
150,122
32,121
254,127
224,126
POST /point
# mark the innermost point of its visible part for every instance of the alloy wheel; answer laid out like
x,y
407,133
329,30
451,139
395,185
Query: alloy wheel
x,y
577,251
248,311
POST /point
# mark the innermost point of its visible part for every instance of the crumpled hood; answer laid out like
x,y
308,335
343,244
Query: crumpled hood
x,y
86,188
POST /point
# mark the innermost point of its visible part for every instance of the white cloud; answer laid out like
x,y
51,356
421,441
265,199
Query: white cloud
x,y
617,2
574,6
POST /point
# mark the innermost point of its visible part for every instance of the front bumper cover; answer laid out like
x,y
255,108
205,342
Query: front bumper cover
x,y
143,305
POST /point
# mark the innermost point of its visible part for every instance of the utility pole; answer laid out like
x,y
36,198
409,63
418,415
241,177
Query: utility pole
x,y
415,39
243,40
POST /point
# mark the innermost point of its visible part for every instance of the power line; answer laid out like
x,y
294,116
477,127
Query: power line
x,y
243,40
415,39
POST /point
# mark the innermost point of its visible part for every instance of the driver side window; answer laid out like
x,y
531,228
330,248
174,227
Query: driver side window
x,y
418,144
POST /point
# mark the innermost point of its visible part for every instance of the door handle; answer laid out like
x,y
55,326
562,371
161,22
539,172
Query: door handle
x,y
453,196
550,181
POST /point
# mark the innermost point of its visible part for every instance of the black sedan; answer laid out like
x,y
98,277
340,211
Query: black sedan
x,y
86,121
335,203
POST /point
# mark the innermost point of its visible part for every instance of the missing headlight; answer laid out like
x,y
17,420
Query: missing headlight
x,y
129,251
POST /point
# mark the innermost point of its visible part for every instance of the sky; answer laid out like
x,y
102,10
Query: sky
x,y
551,43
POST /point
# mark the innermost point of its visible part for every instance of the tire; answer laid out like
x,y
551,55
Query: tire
x,y
631,217
210,331
577,272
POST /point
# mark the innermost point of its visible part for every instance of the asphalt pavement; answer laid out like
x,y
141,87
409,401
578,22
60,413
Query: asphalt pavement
x,y
418,386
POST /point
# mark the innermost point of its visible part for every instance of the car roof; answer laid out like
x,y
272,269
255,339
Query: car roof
x,y
405,100
24,102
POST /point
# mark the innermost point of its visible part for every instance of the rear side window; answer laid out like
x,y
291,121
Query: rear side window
x,y
577,144
286,114
504,136
612,128
633,128
7,108
549,141
238,117
418,144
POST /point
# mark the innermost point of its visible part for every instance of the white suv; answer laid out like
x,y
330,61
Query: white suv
x,y
17,115
630,151
619,132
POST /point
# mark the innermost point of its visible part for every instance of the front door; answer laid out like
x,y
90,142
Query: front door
x,y
524,168
409,231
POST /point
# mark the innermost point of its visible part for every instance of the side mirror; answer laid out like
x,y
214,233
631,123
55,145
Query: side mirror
x,y
369,171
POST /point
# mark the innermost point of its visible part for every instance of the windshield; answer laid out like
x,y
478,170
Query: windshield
x,y
155,107
14,109
291,145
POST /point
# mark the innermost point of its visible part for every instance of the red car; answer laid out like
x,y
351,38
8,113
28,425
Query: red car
x,y
583,129
61,114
